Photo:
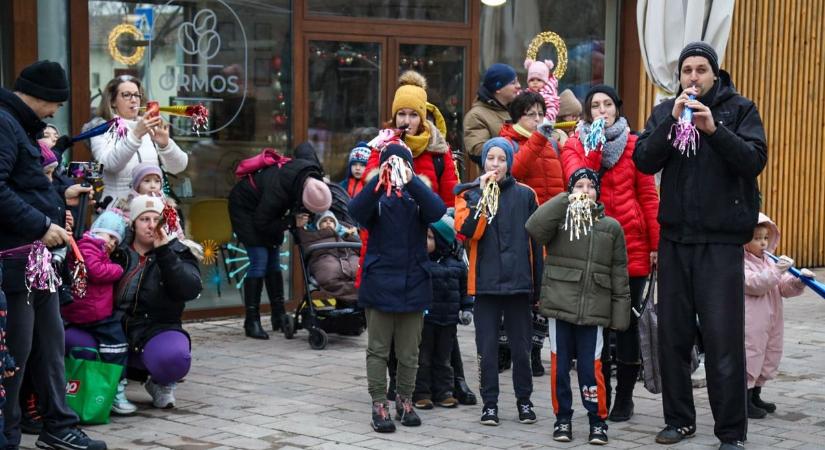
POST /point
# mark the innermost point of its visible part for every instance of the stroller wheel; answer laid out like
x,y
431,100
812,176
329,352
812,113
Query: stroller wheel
x,y
288,326
318,339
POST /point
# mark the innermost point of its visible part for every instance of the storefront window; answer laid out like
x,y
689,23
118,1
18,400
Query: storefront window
x,y
233,57
589,32
433,10
53,44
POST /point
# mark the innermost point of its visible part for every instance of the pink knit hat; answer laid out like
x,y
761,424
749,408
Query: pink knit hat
x,y
48,156
538,69
142,170
316,196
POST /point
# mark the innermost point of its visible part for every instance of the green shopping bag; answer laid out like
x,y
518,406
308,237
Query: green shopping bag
x,y
91,386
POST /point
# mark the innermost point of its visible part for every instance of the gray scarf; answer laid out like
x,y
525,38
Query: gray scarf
x,y
616,139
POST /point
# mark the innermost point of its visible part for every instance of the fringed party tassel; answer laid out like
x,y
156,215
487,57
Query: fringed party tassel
x,y
78,271
595,138
386,137
115,128
40,273
393,176
488,204
198,113
686,135
170,216
579,217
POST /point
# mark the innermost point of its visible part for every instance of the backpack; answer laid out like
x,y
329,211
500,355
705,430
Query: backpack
x,y
250,166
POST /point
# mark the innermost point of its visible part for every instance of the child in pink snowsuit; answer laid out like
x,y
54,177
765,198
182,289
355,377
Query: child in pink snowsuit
x,y
540,79
766,283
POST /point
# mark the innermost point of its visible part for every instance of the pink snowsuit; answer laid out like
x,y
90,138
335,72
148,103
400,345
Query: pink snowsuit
x,y
765,286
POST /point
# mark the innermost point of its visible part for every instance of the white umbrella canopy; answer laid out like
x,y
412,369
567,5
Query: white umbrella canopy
x,y
665,27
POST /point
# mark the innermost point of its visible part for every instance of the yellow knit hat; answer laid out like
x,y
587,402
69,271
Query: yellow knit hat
x,y
411,94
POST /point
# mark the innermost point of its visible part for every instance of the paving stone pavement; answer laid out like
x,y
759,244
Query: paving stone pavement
x,y
280,394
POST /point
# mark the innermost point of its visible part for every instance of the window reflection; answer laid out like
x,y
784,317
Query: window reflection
x,y
439,10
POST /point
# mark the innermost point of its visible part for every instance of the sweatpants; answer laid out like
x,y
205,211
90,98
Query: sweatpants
x,y
435,374
585,343
34,336
705,280
166,356
108,335
402,331
516,312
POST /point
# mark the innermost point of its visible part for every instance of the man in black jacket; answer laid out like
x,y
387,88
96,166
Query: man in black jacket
x,y
34,209
709,207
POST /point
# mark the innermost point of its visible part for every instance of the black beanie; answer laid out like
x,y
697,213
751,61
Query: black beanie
x,y
396,150
584,172
606,90
700,49
45,80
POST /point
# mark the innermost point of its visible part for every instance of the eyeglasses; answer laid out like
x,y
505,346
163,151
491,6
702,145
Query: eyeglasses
x,y
129,95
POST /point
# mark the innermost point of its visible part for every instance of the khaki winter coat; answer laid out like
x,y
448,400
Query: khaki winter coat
x,y
585,280
482,122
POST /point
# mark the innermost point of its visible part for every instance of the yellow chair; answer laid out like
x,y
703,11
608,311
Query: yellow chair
x,y
209,220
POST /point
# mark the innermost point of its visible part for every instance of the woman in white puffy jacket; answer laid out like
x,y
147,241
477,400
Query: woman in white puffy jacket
x,y
147,140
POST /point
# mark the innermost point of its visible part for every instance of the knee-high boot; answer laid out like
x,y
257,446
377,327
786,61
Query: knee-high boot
x,y
275,289
626,376
252,289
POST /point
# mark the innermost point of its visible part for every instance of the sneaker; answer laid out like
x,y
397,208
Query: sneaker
x,y
489,414
562,431
447,402
121,405
733,445
405,413
525,411
535,362
163,396
381,420
68,439
672,435
30,420
424,403
598,434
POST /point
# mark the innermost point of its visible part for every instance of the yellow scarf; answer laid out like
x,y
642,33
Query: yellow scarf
x,y
418,143
521,130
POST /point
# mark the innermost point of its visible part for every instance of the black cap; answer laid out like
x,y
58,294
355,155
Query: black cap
x,y
45,80
396,150
700,49
606,90
584,172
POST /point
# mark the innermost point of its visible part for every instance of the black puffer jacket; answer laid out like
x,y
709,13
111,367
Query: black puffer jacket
x,y
154,289
260,214
449,277
28,200
713,196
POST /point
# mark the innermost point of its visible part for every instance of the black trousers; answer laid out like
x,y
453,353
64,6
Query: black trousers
x,y
705,280
435,373
35,337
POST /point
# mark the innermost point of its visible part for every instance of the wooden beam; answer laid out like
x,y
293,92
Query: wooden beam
x,y
79,75
23,34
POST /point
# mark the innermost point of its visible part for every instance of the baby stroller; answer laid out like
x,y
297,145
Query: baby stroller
x,y
319,312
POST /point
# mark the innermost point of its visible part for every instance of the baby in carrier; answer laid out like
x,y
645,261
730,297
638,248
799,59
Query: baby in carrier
x,y
333,269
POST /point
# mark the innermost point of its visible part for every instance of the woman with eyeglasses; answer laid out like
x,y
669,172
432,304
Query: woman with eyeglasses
x,y
147,140
630,197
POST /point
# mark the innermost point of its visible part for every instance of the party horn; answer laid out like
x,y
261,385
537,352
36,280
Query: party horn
x,y
815,286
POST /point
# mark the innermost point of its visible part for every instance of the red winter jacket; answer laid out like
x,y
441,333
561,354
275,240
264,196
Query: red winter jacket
x,y
629,196
102,274
536,163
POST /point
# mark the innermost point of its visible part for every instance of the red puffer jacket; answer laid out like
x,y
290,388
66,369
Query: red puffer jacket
x,y
536,163
629,196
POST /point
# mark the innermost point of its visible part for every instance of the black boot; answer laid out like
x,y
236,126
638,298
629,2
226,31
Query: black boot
x,y
463,393
606,371
757,400
754,412
252,289
626,375
275,290
535,361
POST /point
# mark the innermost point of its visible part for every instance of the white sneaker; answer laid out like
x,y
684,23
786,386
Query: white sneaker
x,y
122,406
163,396
697,378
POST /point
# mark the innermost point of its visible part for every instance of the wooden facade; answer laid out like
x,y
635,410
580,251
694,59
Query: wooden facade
x,y
775,55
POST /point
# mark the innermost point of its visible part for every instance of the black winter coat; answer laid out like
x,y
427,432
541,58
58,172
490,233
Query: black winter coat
x,y
28,200
449,277
713,196
394,276
262,213
154,290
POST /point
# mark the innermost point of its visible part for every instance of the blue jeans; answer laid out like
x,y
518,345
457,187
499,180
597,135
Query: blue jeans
x,y
263,260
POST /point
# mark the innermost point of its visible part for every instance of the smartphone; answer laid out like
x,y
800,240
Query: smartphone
x,y
152,109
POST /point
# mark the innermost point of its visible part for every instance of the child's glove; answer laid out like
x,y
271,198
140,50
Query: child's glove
x,y
546,128
465,317
784,263
806,273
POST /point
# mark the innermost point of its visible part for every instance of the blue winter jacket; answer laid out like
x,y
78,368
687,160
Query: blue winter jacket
x,y
394,276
